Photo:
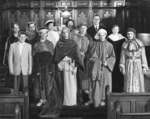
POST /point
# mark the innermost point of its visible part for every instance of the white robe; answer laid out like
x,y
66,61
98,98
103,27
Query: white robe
x,y
70,81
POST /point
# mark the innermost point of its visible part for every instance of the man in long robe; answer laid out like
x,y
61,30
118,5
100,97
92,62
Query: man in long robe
x,y
101,60
68,58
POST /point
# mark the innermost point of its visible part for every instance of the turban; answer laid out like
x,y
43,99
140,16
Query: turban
x,y
43,30
100,32
131,30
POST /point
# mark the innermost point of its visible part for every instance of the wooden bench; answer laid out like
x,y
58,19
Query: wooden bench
x,y
12,106
128,106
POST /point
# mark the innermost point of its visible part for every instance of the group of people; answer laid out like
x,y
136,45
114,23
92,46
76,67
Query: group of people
x,y
70,62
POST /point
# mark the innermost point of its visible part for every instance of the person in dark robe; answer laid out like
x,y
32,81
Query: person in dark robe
x,y
92,30
116,39
11,39
32,33
68,59
44,68
43,52
101,60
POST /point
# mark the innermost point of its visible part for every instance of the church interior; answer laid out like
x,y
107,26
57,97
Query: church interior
x,y
125,13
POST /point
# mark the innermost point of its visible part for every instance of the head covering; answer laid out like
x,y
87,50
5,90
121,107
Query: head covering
x,y
22,32
130,29
49,21
43,30
31,22
83,24
100,32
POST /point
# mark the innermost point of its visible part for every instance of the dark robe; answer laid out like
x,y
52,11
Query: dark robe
x,y
33,37
11,39
43,57
117,77
68,48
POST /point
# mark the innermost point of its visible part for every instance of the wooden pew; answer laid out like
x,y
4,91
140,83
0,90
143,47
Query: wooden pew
x,y
12,106
128,106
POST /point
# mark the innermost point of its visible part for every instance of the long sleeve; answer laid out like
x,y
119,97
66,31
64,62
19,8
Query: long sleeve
x,y
61,65
10,60
111,59
144,60
122,61
30,60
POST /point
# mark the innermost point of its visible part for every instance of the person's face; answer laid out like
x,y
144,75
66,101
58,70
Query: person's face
x,y
70,24
43,35
50,26
16,28
65,34
102,36
83,29
32,27
115,29
22,38
96,20
130,35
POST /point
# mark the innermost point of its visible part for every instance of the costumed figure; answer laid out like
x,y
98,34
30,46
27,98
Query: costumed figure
x,y
101,60
68,58
133,63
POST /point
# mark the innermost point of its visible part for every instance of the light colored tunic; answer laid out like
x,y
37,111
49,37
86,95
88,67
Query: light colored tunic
x,y
70,81
132,62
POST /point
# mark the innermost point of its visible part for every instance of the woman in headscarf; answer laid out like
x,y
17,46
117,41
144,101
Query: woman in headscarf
x,y
133,63
101,60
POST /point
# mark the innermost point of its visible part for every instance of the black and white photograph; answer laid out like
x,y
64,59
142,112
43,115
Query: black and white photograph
x,y
74,59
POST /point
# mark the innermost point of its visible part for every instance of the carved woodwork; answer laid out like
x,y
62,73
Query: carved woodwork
x,y
12,107
128,106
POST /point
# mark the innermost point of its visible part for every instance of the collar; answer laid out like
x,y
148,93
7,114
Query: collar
x,y
96,26
21,43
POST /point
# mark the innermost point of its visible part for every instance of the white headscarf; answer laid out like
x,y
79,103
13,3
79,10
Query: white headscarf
x,y
100,32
